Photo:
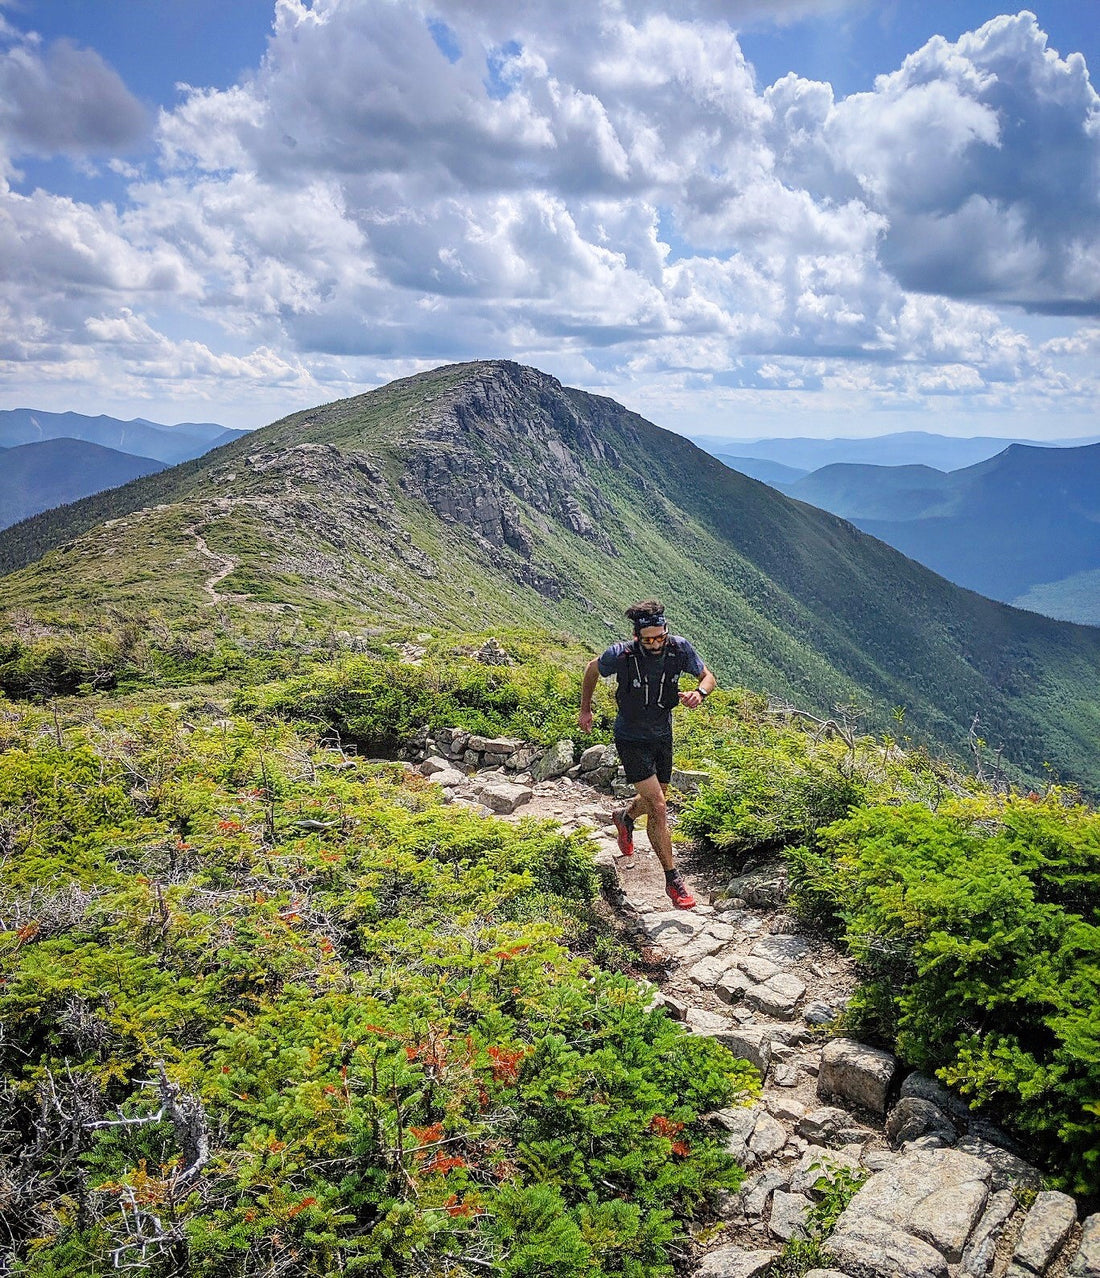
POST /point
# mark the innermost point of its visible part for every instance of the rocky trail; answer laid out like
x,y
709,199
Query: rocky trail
x,y
946,1194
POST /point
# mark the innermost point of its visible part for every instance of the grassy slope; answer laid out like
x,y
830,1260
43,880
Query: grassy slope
x,y
779,596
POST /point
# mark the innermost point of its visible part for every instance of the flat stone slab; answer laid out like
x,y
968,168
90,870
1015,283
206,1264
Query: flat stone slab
x,y
782,950
854,1072
981,1250
709,971
778,996
875,1249
1046,1229
732,1261
936,1195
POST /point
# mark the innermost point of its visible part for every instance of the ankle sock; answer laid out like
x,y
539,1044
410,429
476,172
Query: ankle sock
x,y
671,876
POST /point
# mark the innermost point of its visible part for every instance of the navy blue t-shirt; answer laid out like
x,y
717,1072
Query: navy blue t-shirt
x,y
648,685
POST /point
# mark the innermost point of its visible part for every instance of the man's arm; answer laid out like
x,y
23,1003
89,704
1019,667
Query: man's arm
x,y
707,684
588,687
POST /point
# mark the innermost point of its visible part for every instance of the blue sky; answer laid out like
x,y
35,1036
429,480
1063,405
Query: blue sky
x,y
739,218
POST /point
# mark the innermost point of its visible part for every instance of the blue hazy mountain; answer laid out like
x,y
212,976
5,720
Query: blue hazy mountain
x,y
768,472
37,477
139,438
908,448
1022,527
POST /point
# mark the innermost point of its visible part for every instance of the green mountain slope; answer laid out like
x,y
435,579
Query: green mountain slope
x,y
487,494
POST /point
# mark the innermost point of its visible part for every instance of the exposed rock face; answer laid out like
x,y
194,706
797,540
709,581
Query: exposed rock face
x,y
500,454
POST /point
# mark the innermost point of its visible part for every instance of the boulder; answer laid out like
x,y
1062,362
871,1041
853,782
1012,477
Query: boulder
x,y
592,758
757,1191
912,1117
687,781
1086,1264
934,1195
818,1013
874,1249
450,778
854,1072
434,764
503,797
556,762
1046,1230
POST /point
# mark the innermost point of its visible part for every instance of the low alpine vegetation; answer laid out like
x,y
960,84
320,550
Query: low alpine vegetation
x,y
271,1009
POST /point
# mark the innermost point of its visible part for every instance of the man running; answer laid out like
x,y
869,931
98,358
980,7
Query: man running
x,y
648,669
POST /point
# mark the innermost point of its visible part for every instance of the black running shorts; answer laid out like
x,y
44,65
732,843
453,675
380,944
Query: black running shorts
x,y
641,759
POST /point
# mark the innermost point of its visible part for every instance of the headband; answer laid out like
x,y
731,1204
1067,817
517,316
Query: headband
x,y
651,619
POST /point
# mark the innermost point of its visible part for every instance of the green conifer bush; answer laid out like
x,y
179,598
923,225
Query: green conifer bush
x,y
268,1008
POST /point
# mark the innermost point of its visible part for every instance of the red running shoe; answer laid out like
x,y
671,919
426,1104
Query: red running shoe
x,y
680,894
624,824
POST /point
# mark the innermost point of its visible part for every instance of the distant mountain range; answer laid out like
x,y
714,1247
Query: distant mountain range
x,y
139,438
907,448
36,477
490,492
53,458
1022,527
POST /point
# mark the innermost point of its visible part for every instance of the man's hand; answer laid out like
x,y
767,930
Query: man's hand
x,y
584,720
691,699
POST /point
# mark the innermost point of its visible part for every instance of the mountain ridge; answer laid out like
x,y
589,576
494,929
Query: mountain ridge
x,y
490,490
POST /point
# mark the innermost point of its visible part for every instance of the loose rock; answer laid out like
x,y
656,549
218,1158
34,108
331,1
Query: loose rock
x,y
1046,1228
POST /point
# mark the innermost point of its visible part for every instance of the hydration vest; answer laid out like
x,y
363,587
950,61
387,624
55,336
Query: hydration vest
x,y
635,693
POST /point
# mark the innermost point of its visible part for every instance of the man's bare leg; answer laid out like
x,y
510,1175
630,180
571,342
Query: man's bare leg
x,y
650,799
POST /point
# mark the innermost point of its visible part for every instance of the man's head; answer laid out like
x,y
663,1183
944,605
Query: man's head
x,y
650,627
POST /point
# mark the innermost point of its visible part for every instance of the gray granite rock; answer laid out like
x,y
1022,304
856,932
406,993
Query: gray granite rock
x,y
875,1249
689,781
434,764
556,762
732,985
449,778
784,951
1046,1229
912,1117
1086,1264
702,1020
981,1250
778,996
922,1087
768,1136
756,969
757,1191
818,1013
788,1216
825,1273
831,1127
592,758
733,1261
504,797
854,1072
748,1042
937,1196
708,972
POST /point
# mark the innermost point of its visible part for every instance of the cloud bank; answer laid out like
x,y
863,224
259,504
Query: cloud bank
x,y
602,189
